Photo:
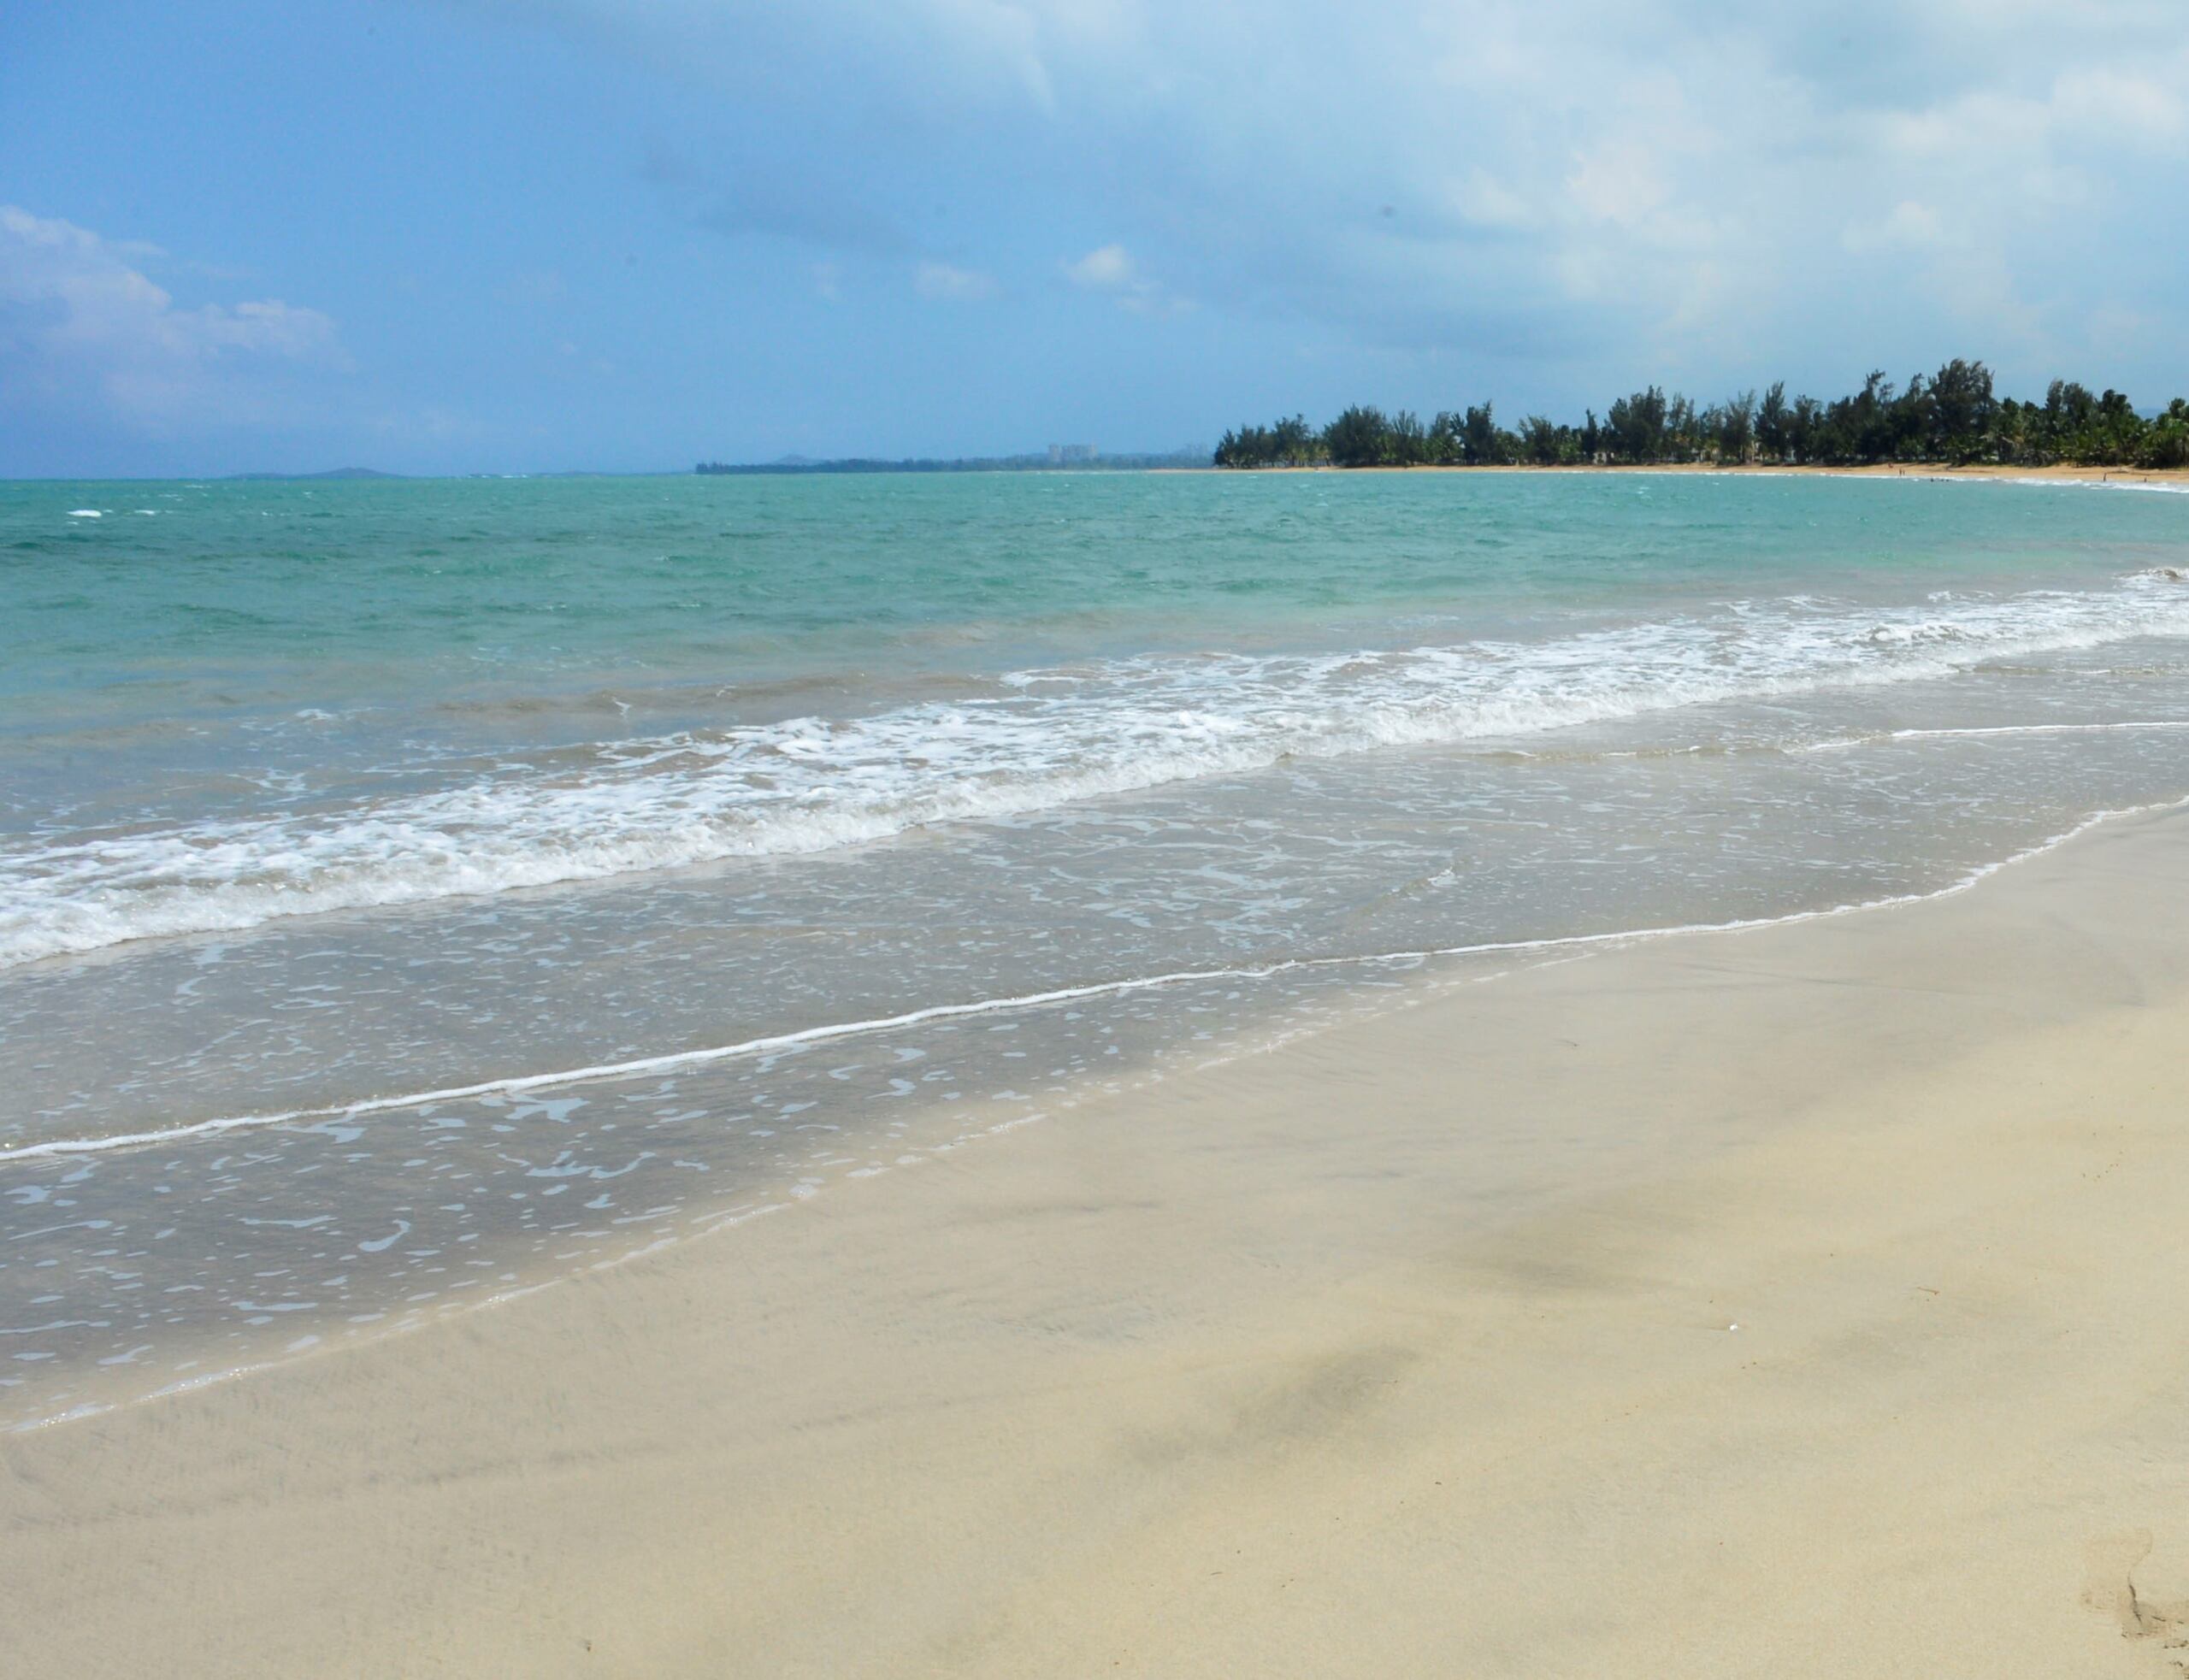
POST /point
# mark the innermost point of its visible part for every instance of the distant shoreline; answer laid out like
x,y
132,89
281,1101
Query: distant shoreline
x,y
2170,478
2158,478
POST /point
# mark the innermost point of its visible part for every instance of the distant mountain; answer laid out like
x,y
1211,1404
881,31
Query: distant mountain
x,y
338,472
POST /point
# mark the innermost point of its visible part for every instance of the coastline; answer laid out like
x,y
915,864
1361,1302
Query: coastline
x,y
300,1150
1404,1347
1937,472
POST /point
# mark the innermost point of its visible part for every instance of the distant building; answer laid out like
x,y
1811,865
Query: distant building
x,y
1072,454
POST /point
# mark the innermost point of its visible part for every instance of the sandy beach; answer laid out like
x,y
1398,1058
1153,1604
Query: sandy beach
x,y
761,918
2142,477
1798,1300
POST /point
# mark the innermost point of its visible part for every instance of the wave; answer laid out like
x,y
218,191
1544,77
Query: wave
x,y
681,1061
2153,726
1046,738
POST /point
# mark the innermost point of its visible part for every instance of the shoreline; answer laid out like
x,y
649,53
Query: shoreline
x,y
1413,1311
1426,983
1922,472
708,1055
202,1036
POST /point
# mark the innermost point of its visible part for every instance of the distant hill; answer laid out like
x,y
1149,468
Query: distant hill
x,y
338,472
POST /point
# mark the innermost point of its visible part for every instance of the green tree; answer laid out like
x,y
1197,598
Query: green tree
x,y
1733,428
1485,444
1771,416
1963,413
1295,442
1637,426
1407,443
2166,439
1952,415
1541,441
1360,437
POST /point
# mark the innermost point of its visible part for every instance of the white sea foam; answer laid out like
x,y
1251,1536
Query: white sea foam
x,y
2103,484
1054,737
2029,480
681,1061
2157,726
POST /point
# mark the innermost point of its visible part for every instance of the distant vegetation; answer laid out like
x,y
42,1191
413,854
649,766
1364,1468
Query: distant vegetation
x,y
1951,417
1044,463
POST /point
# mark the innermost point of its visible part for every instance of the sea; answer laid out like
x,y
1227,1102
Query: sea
x,y
418,892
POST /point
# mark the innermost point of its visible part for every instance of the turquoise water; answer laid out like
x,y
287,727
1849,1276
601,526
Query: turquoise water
x,y
209,599
341,825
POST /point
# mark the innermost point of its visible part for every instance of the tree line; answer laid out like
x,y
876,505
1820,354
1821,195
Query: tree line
x,y
1950,417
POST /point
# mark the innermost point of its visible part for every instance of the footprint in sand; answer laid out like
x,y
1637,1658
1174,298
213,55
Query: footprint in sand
x,y
2109,1588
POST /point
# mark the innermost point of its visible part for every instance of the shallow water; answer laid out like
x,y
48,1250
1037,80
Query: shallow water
x,y
320,796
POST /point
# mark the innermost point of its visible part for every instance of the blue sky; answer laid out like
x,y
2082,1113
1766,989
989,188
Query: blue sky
x,y
537,234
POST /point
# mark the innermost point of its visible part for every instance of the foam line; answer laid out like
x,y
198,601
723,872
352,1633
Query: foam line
x,y
1054,738
2132,726
677,1061
2129,726
2030,480
712,1225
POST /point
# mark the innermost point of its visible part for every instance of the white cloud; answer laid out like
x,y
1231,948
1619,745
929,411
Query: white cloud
x,y
1617,182
1684,188
1111,268
82,328
949,284
2111,103
1107,269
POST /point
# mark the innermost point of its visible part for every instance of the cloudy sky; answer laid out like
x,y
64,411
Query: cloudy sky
x,y
533,234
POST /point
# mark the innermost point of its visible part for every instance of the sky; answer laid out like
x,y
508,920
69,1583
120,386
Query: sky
x,y
623,235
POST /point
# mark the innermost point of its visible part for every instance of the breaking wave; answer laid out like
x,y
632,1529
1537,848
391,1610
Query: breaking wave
x,y
1046,738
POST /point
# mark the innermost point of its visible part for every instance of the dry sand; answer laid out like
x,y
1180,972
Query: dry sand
x,y
1408,1349
2172,478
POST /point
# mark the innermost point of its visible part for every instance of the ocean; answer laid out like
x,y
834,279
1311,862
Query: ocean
x,y
415,892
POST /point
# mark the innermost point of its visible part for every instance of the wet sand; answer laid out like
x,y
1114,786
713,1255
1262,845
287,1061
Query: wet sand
x,y
1800,1300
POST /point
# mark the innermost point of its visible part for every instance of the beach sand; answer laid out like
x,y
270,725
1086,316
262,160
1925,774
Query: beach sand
x,y
1408,1348
2162,478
